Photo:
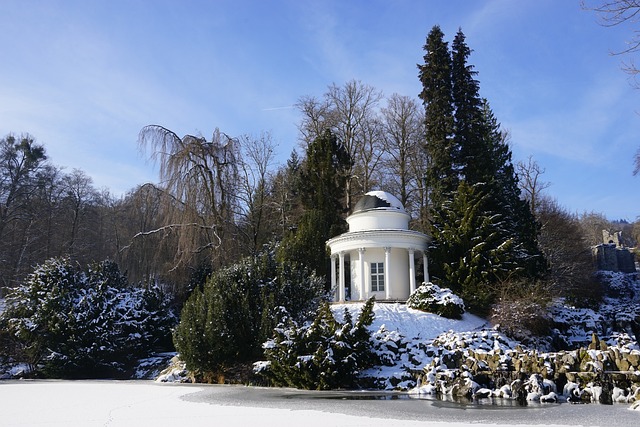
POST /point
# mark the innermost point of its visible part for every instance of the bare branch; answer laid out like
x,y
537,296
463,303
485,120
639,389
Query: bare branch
x,y
529,181
172,227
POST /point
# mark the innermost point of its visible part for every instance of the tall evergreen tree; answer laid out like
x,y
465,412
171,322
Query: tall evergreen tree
x,y
322,182
503,185
437,98
323,176
468,121
483,233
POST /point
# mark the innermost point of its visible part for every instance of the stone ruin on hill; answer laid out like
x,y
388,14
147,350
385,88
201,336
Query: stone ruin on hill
x,y
612,255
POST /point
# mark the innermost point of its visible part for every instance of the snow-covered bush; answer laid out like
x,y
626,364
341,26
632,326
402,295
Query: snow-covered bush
x,y
67,322
433,299
224,324
322,355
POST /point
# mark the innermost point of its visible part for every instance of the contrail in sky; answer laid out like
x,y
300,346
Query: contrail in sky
x,y
278,108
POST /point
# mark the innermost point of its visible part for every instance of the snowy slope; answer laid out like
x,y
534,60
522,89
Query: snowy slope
x,y
404,339
412,324
407,340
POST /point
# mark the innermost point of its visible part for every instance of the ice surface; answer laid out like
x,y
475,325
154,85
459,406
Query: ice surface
x,y
143,403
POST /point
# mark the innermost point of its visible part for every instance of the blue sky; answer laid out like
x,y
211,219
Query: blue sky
x,y
84,77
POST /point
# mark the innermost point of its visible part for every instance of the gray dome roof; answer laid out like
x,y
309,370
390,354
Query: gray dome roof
x,y
378,200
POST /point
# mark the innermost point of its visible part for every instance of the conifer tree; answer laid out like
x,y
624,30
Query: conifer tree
x,y
483,232
505,191
68,322
475,249
224,324
436,95
323,354
468,122
322,181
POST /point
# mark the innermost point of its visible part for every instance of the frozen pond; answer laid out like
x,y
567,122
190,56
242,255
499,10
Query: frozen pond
x,y
404,407
145,403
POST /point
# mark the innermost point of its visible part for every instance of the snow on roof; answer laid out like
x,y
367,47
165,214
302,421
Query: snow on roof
x,y
377,200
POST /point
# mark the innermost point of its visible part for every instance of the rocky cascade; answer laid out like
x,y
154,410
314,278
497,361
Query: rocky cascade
x,y
598,373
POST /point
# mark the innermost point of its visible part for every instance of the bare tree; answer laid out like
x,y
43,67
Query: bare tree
x,y
79,197
146,245
198,178
635,234
20,160
350,112
105,223
369,153
592,224
354,107
530,181
404,165
258,155
316,117
617,12
567,251
48,205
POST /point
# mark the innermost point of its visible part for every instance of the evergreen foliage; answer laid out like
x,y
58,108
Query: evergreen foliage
x,y
322,355
66,322
323,175
322,182
469,133
437,98
225,323
502,180
474,249
483,232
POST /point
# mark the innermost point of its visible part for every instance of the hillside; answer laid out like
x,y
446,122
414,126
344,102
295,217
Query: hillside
x,y
405,339
446,353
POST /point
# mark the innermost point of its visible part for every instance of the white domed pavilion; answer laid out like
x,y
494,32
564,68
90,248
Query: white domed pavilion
x,y
380,250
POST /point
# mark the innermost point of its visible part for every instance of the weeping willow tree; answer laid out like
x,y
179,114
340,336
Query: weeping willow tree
x,y
197,180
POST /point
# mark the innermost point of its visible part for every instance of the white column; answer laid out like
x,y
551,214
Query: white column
x,y
412,271
333,279
341,288
426,267
362,286
387,265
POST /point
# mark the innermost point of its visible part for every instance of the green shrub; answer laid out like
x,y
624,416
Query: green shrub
x,y
325,354
224,324
66,322
433,299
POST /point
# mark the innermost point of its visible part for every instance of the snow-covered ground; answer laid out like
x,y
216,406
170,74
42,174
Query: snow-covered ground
x,y
402,336
142,403
408,341
413,323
